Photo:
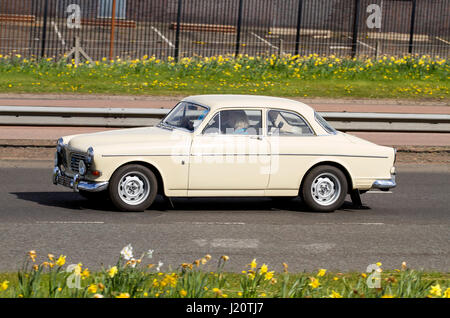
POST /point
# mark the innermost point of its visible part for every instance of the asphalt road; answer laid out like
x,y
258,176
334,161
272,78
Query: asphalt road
x,y
411,224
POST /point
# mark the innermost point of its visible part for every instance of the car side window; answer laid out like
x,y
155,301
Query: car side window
x,y
285,123
235,122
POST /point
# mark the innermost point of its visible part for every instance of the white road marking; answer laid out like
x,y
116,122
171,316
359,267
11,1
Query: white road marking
x,y
353,223
228,243
441,39
317,247
162,36
264,40
218,223
69,222
382,192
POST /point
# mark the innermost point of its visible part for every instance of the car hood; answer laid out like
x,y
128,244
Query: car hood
x,y
122,138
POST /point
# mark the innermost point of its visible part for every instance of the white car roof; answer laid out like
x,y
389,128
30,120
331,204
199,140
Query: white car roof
x,y
220,101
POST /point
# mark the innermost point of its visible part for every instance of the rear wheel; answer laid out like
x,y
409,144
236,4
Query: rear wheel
x,y
133,188
324,189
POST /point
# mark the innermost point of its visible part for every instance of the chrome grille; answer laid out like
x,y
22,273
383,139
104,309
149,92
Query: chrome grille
x,y
75,158
64,180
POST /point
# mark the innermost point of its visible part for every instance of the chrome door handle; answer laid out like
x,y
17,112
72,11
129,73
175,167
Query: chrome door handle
x,y
256,137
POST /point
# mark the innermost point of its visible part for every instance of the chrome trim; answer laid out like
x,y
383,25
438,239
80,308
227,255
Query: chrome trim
x,y
384,184
76,183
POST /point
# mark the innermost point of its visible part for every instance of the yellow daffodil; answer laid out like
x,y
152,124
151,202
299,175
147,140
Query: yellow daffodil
x,y
263,269
32,255
314,282
335,294
253,264
4,285
61,260
436,290
183,293
123,295
268,275
387,296
92,288
113,271
321,272
447,293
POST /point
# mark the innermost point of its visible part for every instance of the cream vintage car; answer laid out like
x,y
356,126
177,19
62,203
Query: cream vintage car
x,y
226,146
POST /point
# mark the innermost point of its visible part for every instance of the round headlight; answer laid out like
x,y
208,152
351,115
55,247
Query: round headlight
x,y
59,144
82,168
90,154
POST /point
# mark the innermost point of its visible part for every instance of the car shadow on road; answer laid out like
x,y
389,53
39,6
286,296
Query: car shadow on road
x,y
74,201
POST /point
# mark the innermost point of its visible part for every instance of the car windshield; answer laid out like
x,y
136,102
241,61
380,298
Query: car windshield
x,y
185,116
325,125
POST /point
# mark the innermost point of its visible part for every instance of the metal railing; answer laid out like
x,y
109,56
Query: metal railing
x,y
179,28
137,117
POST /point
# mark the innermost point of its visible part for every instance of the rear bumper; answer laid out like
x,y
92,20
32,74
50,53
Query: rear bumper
x,y
385,184
76,183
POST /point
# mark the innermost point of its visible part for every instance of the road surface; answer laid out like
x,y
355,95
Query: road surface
x,y
411,224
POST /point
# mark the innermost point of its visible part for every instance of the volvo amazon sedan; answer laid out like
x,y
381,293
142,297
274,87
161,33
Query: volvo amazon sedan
x,y
226,146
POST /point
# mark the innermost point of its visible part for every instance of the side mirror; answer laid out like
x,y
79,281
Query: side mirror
x,y
280,125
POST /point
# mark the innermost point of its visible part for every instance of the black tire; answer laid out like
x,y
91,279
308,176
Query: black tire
x,y
94,196
122,196
334,178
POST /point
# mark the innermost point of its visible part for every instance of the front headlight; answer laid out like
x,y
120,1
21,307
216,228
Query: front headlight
x,y
90,155
59,145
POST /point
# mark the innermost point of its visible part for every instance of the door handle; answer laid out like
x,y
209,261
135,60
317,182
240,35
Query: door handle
x,y
256,137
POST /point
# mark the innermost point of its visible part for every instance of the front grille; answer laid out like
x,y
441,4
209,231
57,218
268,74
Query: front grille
x,y
75,158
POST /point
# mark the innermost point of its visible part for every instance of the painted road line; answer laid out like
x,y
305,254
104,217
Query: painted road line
x,y
68,222
162,36
216,223
379,192
228,243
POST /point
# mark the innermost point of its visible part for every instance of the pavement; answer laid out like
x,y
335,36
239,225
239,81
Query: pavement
x,y
320,104
410,224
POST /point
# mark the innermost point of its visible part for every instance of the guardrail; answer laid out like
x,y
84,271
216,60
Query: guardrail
x,y
136,117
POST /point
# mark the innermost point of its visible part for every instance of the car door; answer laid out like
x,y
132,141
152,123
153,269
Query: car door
x,y
230,156
292,143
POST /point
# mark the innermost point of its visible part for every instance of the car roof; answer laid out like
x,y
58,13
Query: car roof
x,y
230,101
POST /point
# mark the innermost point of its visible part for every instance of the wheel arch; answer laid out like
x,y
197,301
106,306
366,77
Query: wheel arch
x,y
334,164
152,168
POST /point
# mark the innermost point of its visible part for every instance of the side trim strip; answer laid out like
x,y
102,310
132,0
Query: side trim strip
x,y
212,155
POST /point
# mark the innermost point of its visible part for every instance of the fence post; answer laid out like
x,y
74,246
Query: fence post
x,y
355,29
177,34
238,35
44,29
411,34
299,21
113,24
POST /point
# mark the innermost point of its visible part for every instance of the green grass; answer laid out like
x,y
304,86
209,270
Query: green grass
x,y
133,278
309,76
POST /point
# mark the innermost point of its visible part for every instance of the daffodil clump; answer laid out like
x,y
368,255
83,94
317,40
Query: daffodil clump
x,y
288,75
134,277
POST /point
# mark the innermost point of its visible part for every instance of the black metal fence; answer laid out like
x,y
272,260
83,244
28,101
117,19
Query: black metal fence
x,y
179,28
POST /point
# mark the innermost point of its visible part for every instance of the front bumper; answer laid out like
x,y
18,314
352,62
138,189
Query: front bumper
x,y
384,185
76,183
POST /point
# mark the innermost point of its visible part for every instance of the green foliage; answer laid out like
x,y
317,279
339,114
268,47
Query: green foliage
x,y
407,76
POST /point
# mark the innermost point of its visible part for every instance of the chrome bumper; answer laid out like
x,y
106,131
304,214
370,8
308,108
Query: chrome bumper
x,y
385,185
76,183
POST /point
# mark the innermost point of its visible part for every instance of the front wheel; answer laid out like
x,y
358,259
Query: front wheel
x,y
133,188
324,189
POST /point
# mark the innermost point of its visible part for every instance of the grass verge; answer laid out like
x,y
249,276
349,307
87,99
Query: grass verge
x,y
422,77
129,277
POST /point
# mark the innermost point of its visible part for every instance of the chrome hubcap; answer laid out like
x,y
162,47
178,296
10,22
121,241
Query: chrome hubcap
x,y
325,189
134,188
